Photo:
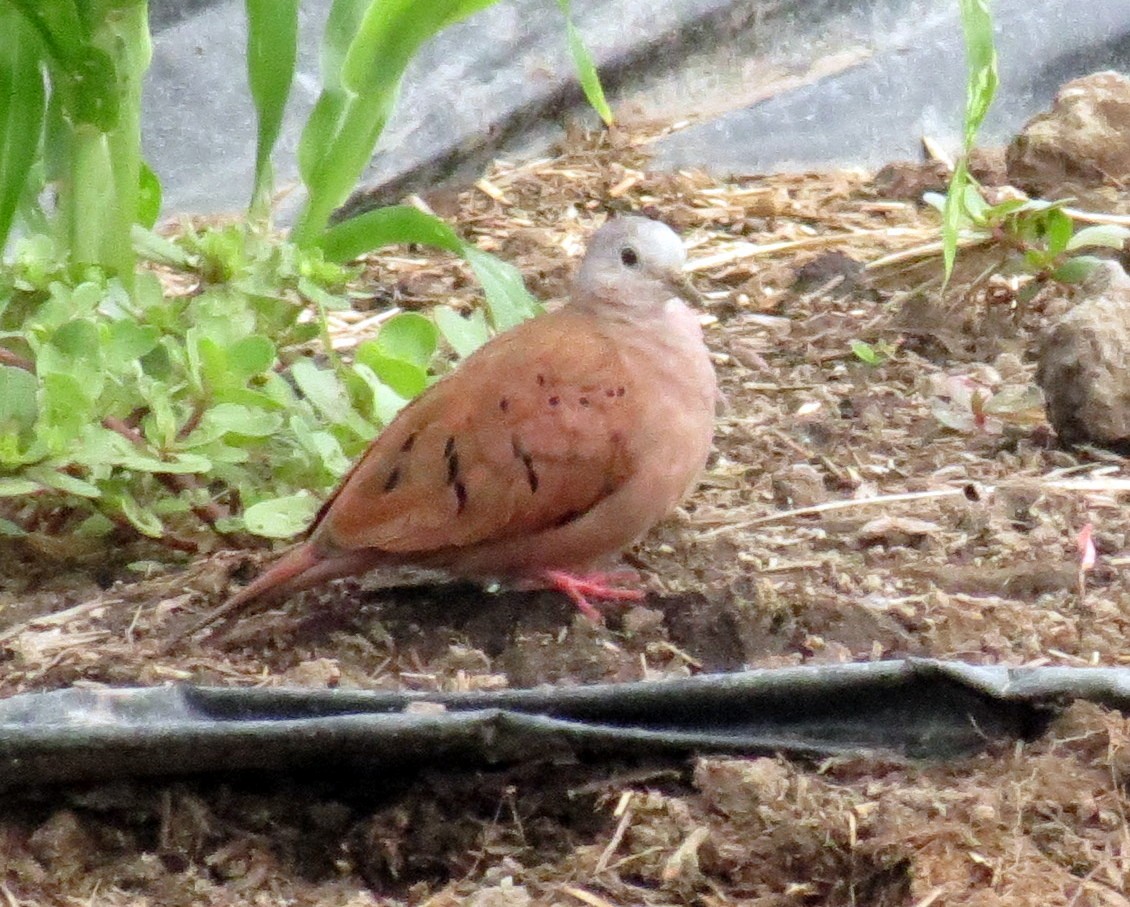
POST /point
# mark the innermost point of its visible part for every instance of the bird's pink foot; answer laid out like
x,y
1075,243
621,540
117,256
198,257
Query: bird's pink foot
x,y
599,586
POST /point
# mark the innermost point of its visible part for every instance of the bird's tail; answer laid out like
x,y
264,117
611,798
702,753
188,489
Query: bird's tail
x,y
300,568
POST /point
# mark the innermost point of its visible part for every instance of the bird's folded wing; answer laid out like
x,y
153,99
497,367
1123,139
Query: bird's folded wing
x,y
528,434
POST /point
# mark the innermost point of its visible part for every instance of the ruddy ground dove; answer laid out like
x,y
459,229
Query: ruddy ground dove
x,y
555,445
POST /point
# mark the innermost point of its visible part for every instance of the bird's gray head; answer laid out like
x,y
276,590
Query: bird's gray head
x,y
631,263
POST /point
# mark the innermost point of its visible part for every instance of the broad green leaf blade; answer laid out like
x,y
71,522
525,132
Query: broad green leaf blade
x,y
385,227
23,105
324,121
338,140
509,301
586,68
272,48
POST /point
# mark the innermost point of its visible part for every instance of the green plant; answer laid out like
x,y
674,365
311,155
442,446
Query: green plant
x,y
873,354
1042,236
980,89
123,408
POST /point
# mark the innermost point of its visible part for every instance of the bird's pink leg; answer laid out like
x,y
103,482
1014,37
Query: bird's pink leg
x,y
599,586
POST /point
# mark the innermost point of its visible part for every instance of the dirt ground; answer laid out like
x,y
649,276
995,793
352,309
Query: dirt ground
x,y
782,557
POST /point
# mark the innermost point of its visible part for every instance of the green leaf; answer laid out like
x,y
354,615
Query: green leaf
x,y
66,403
406,378
13,487
281,518
981,62
322,388
367,49
1075,270
976,208
232,419
176,464
464,334
250,356
865,352
23,104
148,197
409,336
322,445
1111,236
128,341
509,301
586,68
18,392
144,521
1058,228
272,45
152,246
980,89
386,401
385,227
61,481
8,529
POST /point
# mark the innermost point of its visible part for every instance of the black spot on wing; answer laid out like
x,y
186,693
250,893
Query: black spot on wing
x,y
452,457
528,462
393,479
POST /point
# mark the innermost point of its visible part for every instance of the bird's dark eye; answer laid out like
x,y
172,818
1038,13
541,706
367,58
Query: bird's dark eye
x,y
629,257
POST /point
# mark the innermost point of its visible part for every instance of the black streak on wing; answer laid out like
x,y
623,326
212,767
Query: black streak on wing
x,y
528,462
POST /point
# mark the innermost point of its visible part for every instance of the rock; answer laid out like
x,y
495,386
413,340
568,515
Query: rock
x,y
912,179
799,485
64,845
1081,147
1084,367
896,531
505,895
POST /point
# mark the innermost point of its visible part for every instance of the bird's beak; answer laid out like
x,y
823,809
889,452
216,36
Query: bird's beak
x,y
680,284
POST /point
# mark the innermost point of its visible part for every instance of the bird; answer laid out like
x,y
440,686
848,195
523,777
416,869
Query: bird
x,y
547,451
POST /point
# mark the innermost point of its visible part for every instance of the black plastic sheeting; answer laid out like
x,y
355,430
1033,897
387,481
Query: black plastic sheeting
x,y
915,708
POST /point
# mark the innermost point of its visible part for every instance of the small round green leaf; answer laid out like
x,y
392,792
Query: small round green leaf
x,y
281,518
409,336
